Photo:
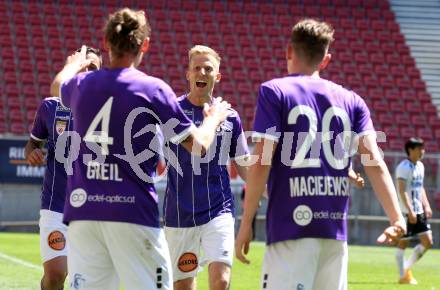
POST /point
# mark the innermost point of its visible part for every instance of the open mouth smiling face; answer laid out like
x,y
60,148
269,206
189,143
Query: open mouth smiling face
x,y
202,74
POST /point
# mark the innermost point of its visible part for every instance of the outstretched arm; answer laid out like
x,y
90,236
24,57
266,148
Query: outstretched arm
x,y
382,184
74,64
258,174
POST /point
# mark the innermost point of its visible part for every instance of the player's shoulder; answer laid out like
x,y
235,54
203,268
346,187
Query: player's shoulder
x,y
233,117
149,81
275,83
420,164
404,164
181,98
50,102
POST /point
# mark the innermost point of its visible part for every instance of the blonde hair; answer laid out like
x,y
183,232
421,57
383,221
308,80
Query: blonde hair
x,y
202,49
126,31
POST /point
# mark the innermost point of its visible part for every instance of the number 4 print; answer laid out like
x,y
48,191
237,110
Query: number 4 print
x,y
102,136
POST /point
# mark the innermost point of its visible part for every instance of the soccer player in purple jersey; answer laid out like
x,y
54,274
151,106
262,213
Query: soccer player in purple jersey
x,y
305,122
199,204
112,206
51,120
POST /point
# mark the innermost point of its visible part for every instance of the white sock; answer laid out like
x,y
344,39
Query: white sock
x,y
400,253
419,250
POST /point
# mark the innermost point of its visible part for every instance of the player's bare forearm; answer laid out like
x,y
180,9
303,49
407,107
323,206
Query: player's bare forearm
x,y
75,63
257,176
255,186
241,170
202,137
380,178
382,184
66,73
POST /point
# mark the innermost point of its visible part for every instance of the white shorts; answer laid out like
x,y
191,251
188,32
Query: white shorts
x,y
305,264
103,254
216,238
52,235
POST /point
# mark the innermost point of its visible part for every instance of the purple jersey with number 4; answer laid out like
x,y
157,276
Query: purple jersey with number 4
x,y
202,191
51,120
116,112
308,185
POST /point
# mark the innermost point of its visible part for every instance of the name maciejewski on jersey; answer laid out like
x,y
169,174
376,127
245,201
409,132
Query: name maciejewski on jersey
x,y
319,186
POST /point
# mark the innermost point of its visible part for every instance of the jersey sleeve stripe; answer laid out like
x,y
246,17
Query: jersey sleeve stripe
x,y
241,157
257,135
367,132
36,138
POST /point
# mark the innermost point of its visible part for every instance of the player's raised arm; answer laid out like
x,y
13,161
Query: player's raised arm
x,y
202,137
75,63
382,184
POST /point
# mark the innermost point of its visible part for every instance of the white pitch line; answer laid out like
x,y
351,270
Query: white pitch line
x,y
20,262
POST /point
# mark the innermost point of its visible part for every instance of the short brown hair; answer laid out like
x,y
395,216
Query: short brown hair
x,y
311,39
126,30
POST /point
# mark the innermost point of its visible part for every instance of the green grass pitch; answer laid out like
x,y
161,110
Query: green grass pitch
x,y
370,268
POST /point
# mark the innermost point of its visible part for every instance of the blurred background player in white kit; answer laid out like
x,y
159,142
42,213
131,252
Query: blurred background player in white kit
x,y
415,204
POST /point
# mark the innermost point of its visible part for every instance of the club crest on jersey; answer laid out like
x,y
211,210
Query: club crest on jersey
x,y
60,126
226,126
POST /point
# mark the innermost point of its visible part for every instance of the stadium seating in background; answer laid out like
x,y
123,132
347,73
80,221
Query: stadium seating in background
x,y
369,54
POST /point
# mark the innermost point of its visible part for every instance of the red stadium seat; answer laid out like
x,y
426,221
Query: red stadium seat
x,y
425,133
396,145
432,146
18,128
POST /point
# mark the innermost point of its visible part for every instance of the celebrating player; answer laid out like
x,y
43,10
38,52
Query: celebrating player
x,y
111,205
309,189
51,120
414,203
199,204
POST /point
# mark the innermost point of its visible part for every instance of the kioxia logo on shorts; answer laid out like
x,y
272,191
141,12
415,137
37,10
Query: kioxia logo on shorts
x,y
187,262
56,240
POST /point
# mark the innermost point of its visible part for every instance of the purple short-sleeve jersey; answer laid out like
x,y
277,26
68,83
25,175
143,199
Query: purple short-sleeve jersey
x,y
116,114
202,191
308,185
52,120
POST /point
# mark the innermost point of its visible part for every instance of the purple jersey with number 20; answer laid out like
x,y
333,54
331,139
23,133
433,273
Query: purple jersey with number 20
x,y
116,112
308,185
